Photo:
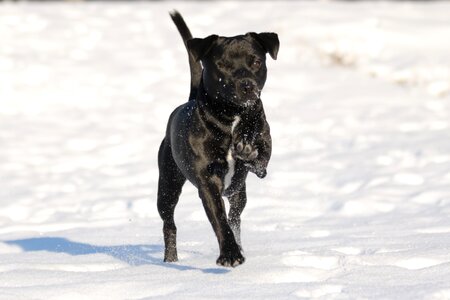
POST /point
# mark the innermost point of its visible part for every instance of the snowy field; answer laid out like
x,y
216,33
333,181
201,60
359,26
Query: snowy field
x,y
356,204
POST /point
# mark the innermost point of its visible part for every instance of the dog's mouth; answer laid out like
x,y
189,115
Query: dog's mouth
x,y
248,91
246,101
250,102
249,99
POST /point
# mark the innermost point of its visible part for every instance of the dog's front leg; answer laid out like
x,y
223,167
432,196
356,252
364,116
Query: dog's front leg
x,y
254,150
263,142
252,142
230,254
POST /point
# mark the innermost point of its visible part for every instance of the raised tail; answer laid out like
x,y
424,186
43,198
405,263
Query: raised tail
x,y
195,66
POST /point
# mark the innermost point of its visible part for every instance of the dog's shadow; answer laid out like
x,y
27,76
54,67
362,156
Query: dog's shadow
x,y
134,255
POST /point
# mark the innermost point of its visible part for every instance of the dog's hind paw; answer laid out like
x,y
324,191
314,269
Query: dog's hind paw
x,y
230,261
170,259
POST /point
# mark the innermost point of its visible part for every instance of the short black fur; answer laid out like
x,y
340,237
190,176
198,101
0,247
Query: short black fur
x,y
218,136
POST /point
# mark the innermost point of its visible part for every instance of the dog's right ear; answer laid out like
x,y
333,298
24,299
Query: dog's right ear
x,y
200,47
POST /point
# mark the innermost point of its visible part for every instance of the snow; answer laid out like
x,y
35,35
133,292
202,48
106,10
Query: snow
x,y
356,203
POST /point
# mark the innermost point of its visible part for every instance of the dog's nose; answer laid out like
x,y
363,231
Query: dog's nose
x,y
247,86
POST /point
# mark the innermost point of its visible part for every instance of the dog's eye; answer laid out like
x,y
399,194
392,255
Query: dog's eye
x,y
257,63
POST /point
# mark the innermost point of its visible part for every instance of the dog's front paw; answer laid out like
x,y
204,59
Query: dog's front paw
x,y
245,151
231,260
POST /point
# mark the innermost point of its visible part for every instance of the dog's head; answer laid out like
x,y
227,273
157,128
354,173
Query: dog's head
x,y
234,68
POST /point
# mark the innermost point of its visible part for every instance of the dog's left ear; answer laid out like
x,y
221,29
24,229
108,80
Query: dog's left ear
x,y
269,41
200,47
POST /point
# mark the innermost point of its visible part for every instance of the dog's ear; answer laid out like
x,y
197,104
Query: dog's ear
x,y
200,47
269,41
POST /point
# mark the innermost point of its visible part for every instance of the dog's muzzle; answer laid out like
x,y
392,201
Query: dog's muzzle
x,y
249,91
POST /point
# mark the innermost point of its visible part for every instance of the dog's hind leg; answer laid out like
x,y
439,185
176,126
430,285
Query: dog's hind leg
x,y
170,184
237,205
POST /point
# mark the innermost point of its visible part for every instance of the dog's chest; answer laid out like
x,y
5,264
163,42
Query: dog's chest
x,y
229,158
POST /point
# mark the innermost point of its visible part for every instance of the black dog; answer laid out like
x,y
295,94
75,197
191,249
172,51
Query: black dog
x,y
218,136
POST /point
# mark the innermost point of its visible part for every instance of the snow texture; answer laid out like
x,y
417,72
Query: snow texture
x,y
356,203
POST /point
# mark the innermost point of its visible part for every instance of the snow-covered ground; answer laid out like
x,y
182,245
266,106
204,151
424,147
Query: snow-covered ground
x,y
357,201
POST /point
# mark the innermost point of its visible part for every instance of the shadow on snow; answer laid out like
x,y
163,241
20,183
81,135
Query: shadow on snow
x,y
134,255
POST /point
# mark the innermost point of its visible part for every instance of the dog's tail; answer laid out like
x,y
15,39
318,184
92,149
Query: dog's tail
x,y
195,66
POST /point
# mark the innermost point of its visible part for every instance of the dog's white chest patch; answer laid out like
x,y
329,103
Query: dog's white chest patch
x,y
230,160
